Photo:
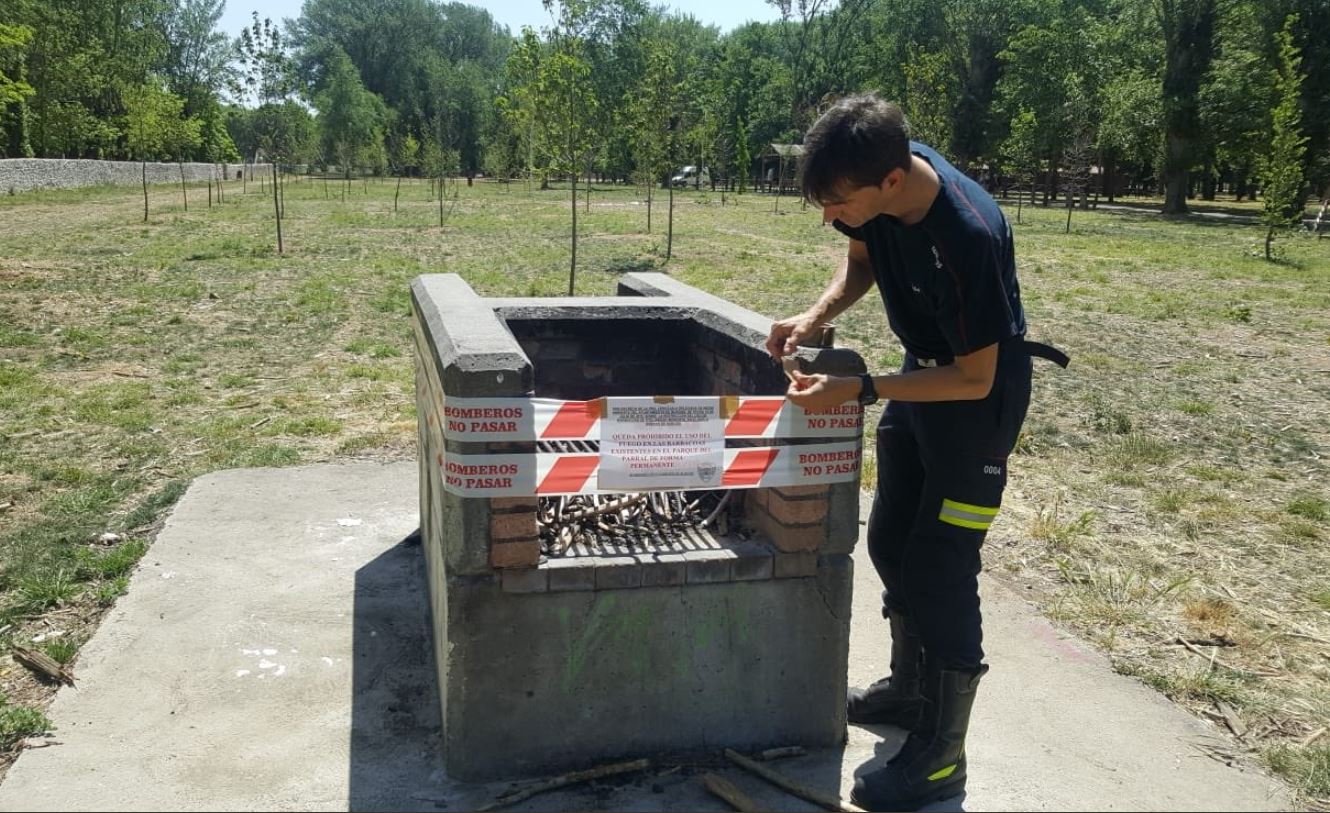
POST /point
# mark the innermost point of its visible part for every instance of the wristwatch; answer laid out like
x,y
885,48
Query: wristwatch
x,y
867,390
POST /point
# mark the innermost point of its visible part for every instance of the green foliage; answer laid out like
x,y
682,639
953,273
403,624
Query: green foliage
x,y
1307,766
13,42
930,93
1282,166
351,119
154,126
652,111
20,722
285,131
265,64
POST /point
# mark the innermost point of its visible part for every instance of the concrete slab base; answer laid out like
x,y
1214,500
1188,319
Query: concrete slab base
x,y
273,653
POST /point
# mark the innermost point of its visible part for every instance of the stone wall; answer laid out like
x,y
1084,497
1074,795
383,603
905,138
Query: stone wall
x,y
26,174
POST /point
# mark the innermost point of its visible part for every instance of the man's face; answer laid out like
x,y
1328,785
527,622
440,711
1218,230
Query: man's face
x,y
855,206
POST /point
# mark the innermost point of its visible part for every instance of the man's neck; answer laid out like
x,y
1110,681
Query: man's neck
x,y
919,189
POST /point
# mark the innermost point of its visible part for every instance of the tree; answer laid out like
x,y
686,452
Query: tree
x,y
742,158
816,35
154,128
1045,76
655,114
268,73
266,68
1131,116
649,119
1188,27
1020,152
519,106
198,55
1282,168
568,111
930,91
14,91
351,119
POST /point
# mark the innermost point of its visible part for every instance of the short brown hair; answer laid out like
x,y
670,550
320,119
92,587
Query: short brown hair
x,y
855,143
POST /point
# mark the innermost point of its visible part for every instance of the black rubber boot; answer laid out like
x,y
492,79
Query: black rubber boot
x,y
931,765
893,700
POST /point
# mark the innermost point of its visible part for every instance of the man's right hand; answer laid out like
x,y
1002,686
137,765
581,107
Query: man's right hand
x,y
787,333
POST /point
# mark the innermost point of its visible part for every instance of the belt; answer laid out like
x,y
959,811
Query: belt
x,y
1046,351
1036,349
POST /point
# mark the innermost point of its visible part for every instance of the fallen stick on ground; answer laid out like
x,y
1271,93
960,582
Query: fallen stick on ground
x,y
817,797
567,779
1217,662
42,664
781,753
725,789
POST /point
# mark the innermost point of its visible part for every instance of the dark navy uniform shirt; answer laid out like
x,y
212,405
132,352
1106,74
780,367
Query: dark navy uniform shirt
x,y
948,281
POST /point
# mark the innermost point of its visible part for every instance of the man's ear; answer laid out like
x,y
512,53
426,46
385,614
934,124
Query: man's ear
x,y
893,180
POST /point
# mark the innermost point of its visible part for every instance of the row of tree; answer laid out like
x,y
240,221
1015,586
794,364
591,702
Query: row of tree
x,y
1194,94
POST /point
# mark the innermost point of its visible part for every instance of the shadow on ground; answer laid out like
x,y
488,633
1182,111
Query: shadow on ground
x,y
395,761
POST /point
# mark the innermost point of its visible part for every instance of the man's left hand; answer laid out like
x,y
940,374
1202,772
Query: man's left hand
x,y
816,392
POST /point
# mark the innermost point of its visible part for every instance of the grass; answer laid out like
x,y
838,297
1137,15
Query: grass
x,y
20,722
1308,767
1169,483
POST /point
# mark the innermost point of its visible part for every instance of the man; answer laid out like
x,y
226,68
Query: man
x,y
940,252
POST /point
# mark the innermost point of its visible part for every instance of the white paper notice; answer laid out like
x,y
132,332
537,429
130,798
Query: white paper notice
x,y
645,444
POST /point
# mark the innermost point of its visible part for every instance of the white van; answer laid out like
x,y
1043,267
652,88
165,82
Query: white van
x,y
690,176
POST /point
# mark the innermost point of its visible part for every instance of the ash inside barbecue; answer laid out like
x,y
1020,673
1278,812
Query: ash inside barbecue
x,y
613,523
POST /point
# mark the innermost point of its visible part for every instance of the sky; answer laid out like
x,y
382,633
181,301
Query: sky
x,y
727,15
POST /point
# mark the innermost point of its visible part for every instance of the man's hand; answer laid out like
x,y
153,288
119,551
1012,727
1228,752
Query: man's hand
x,y
787,333
815,392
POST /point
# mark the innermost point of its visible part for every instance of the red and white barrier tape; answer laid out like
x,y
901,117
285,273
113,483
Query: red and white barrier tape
x,y
516,419
518,475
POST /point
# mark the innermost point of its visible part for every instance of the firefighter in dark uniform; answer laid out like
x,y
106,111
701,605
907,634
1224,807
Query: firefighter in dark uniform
x,y
940,252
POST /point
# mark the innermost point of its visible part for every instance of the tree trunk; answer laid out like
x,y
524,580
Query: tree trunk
x,y
650,186
210,193
441,188
183,191
1269,238
145,191
1175,174
669,232
1175,193
1071,204
397,193
572,268
276,208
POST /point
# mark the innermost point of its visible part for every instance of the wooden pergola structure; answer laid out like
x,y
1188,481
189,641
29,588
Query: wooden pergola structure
x,y
778,167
